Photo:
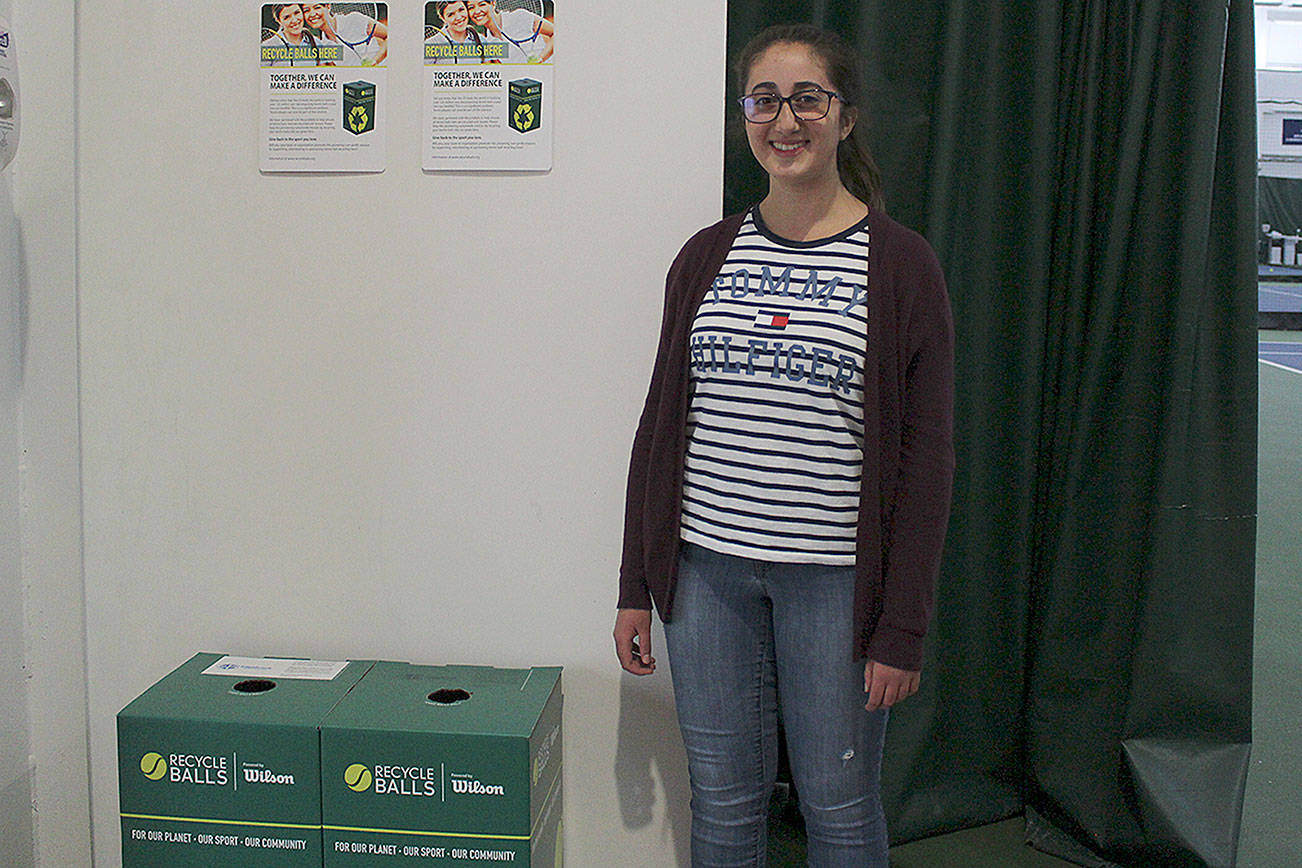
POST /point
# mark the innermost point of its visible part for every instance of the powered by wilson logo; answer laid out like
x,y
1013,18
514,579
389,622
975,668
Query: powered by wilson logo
x,y
468,785
257,773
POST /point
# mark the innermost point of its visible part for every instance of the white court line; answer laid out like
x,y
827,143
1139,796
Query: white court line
x,y
1278,365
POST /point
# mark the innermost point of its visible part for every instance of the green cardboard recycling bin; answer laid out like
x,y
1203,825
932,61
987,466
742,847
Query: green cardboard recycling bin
x,y
444,765
524,104
359,107
219,763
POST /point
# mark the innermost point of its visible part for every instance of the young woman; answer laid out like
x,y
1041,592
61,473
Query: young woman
x,y
789,487
528,37
365,40
456,37
291,34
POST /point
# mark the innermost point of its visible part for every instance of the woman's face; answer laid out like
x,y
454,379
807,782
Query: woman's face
x,y
791,149
291,20
315,14
480,11
456,17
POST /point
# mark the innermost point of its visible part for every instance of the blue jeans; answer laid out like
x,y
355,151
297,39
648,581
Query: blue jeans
x,y
745,635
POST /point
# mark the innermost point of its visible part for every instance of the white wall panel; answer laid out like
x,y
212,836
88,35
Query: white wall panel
x,y
15,747
52,634
382,416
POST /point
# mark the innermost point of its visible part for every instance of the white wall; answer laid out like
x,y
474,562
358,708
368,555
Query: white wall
x,y
49,587
1279,88
414,451
1279,96
15,747
1278,32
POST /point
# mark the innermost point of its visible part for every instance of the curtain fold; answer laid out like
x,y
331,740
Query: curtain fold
x,y
1086,172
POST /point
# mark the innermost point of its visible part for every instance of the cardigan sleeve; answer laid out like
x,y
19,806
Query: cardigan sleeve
x,y
651,500
633,590
914,532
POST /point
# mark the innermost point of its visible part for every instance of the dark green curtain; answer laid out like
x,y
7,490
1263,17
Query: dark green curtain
x,y
1086,172
1279,203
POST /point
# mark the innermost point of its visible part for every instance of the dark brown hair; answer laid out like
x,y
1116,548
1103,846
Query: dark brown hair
x,y
854,161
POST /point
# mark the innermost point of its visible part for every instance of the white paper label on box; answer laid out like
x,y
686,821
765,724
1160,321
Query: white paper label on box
x,y
277,667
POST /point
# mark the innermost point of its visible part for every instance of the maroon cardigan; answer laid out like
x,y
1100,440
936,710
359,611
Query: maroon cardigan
x,y
905,488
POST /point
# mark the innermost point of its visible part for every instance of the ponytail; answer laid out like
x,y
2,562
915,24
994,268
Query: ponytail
x,y
858,169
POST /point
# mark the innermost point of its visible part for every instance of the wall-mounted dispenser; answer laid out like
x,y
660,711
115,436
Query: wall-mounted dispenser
x,y
9,101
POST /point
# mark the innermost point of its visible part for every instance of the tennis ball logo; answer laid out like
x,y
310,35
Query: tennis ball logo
x,y
153,766
358,119
358,778
524,117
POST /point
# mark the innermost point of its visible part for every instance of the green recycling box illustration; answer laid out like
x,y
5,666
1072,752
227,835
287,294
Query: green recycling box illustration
x,y
359,107
219,763
524,104
444,765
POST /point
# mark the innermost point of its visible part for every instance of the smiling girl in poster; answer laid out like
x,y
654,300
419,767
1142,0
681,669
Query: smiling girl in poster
x,y
454,37
292,35
364,39
528,36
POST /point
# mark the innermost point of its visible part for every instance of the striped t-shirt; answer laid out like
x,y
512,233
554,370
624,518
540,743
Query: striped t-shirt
x,y
775,423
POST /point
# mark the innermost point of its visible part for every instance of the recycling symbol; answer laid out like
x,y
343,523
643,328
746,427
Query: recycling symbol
x,y
357,119
524,117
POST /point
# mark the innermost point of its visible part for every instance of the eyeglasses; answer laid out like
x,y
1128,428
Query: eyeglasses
x,y
812,104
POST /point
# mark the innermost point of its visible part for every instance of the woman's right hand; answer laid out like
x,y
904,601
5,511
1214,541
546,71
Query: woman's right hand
x,y
633,641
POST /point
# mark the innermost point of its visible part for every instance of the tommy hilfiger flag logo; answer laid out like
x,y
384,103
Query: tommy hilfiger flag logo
x,y
767,319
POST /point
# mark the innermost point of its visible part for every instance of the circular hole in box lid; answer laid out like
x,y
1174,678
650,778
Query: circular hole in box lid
x,y
446,696
253,686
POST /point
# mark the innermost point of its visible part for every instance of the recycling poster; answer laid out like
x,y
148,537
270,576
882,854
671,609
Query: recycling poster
x,y
324,77
488,85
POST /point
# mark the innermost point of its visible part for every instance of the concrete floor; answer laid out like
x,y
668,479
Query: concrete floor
x,y
1001,845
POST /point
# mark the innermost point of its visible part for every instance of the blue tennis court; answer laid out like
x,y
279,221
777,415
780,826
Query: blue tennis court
x,y
1277,296
1281,354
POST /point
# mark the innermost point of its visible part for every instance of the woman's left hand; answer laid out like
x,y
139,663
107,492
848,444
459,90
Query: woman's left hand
x,y
886,685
